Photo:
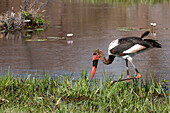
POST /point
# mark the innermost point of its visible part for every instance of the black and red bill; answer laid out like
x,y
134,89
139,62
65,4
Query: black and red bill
x,y
95,62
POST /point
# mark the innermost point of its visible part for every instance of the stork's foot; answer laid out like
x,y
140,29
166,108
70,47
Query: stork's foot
x,y
112,82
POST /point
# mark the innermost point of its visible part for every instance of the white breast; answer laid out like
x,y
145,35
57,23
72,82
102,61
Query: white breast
x,y
135,49
113,44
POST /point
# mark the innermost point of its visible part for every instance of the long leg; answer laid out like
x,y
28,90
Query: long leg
x,y
128,78
127,69
138,74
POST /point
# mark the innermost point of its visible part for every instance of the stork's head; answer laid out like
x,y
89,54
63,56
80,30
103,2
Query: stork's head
x,y
95,62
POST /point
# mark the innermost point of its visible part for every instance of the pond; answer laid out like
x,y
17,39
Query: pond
x,y
94,26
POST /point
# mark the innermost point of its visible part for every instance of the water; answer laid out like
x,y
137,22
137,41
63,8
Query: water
x,y
94,26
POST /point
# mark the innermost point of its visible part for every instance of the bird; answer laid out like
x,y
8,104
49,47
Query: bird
x,y
126,48
153,28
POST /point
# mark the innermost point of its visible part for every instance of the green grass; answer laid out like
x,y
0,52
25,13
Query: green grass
x,y
66,94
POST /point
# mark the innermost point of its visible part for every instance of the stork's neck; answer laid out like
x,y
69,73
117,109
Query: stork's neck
x,y
102,57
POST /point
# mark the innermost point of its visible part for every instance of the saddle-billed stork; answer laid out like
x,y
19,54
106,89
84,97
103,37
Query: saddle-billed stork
x,y
125,48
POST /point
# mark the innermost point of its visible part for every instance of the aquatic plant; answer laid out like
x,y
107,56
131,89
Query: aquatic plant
x,y
79,94
27,17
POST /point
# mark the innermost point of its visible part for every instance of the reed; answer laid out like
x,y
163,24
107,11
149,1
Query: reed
x,y
69,94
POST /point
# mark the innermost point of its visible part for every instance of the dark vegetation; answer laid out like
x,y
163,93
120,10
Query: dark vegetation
x,y
27,18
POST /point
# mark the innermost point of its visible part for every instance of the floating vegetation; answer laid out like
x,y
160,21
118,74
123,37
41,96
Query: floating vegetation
x,y
59,38
153,27
27,18
57,26
36,40
138,29
69,94
130,29
39,29
68,38
166,28
27,30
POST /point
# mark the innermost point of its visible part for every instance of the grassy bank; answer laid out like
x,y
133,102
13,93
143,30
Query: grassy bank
x,y
66,94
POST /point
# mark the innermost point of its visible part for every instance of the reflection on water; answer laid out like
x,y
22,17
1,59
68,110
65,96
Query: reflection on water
x,y
93,26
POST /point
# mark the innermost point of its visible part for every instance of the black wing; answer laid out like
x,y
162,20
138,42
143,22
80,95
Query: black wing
x,y
127,43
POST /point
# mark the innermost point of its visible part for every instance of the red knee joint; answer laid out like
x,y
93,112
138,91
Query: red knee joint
x,y
128,77
138,75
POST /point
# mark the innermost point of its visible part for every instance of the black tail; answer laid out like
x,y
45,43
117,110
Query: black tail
x,y
145,34
153,43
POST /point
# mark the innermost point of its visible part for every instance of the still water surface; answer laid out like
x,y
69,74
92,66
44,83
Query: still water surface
x,y
94,27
